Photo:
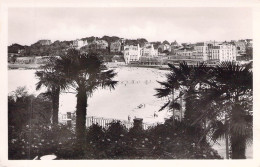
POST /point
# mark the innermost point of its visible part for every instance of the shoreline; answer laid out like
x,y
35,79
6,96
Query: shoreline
x,y
24,66
109,65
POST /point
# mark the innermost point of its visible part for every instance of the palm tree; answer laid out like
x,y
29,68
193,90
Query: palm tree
x,y
184,80
170,88
217,98
54,81
235,82
86,73
227,102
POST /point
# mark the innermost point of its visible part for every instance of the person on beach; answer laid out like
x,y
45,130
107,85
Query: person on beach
x,y
155,114
129,118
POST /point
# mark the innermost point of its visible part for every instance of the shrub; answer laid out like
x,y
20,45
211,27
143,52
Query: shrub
x,y
38,140
116,131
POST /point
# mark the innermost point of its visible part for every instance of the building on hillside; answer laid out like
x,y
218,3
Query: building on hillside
x,y
150,60
174,44
162,55
201,50
122,40
149,51
164,47
115,46
68,119
101,44
78,43
222,52
123,43
44,42
43,59
21,51
177,59
174,47
132,53
25,60
185,52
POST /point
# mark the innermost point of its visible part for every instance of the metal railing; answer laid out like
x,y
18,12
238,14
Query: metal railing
x,y
104,122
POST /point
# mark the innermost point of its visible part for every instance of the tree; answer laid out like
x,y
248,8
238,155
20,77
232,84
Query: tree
x,y
176,81
14,48
249,53
13,59
166,42
54,81
24,108
183,79
234,84
218,99
225,102
87,73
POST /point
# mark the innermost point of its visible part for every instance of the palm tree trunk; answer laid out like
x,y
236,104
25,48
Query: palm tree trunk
x,y
81,112
238,147
227,146
238,141
181,108
173,109
55,106
226,138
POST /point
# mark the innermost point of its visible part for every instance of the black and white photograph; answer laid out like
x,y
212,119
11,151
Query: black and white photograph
x,y
129,83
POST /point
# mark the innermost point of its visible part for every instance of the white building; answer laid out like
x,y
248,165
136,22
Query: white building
x,y
149,51
201,50
79,43
222,52
132,53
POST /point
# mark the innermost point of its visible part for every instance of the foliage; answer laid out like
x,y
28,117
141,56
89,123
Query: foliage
x,y
57,48
14,48
95,134
24,108
110,39
12,59
116,130
219,97
85,70
158,143
249,53
54,81
86,73
166,42
38,140
140,41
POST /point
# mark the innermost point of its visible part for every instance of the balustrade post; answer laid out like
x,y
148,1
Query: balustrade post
x,y
138,123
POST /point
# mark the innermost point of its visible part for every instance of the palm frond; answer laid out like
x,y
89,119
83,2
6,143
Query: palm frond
x,y
163,92
174,105
219,130
164,106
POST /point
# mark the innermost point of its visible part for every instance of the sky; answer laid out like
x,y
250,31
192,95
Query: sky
x,y
28,25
